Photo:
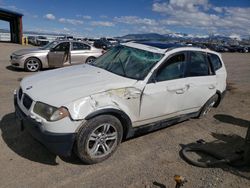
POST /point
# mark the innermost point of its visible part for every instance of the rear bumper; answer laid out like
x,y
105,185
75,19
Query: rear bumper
x,y
58,143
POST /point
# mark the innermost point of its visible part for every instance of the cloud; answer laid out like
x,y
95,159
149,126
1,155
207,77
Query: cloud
x,y
185,5
87,17
70,21
49,16
235,36
134,20
203,16
103,16
102,23
153,29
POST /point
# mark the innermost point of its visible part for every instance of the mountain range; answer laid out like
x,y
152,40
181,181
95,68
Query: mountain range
x,y
150,36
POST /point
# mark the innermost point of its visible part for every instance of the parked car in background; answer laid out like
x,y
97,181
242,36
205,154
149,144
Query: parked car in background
x,y
242,49
31,40
103,43
131,89
65,37
90,41
220,48
54,54
238,48
41,41
113,41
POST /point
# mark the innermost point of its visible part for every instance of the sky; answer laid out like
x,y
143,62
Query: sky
x,y
98,18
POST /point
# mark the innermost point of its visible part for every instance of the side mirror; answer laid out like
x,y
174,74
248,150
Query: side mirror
x,y
52,50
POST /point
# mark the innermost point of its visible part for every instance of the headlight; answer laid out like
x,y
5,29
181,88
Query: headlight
x,y
14,56
50,113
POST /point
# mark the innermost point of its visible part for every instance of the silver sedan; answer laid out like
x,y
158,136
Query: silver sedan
x,y
54,54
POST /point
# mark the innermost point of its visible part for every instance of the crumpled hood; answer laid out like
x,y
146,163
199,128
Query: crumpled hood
x,y
29,50
61,86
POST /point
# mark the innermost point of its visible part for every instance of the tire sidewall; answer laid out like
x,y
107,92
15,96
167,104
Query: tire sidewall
x,y
32,58
214,99
87,60
85,131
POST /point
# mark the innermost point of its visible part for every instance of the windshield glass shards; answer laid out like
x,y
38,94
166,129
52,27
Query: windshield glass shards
x,y
128,62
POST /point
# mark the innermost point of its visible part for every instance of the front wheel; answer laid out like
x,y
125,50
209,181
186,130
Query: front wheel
x,y
98,139
32,64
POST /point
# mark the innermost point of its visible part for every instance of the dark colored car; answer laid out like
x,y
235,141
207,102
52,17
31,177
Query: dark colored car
x,y
103,43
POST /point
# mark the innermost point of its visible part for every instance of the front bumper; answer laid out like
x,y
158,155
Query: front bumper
x,y
58,143
18,63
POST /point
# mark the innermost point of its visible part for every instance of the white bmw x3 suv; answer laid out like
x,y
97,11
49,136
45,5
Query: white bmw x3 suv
x,y
131,89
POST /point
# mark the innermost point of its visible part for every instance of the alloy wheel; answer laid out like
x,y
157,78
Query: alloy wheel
x,y
102,140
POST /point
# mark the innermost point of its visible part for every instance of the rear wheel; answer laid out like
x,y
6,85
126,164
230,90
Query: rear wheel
x,y
32,64
90,60
209,105
98,139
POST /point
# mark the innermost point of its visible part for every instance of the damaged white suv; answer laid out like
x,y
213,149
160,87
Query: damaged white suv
x,y
132,88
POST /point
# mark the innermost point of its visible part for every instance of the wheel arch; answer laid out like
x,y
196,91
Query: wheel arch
x,y
34,57
219,98
122,116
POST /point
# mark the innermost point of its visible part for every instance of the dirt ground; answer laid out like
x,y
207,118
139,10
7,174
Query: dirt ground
x,y
147,161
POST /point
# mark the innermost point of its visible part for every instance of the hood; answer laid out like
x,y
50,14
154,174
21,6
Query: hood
x,y
62,86
29,50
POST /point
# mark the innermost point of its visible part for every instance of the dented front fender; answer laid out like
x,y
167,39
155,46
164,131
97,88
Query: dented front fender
x,y
123,99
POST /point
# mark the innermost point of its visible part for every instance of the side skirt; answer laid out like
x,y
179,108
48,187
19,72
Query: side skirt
x,y
138,131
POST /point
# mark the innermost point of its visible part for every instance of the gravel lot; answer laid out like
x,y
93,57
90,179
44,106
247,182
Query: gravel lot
x,y
147,161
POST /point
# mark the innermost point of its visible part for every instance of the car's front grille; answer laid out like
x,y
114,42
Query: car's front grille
x,y
27,101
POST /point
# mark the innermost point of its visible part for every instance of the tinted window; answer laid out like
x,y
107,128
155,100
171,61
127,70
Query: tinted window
x,y
80,46
215,60
198,65
62,47
173,69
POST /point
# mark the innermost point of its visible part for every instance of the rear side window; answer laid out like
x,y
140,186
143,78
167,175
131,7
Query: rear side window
x,y
80,46
173,68
198,65
215,60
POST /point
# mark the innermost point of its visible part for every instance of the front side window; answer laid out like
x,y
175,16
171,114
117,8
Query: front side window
x,y
215,60
173,69
198,65
80,46
62,47
128,62
49,45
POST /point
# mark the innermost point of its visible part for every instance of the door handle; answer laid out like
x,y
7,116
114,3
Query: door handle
x,y
175,88
180,91
211,86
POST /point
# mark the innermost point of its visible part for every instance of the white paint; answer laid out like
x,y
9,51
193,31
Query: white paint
x,y
84,89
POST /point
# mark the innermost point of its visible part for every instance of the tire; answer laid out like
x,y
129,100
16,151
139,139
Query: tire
x,y
98,139
208,106
32,64
90,59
